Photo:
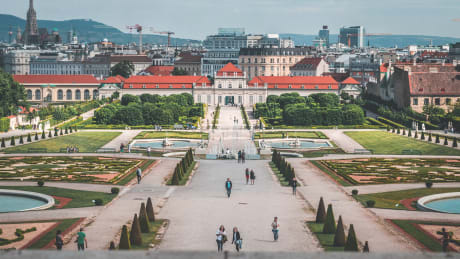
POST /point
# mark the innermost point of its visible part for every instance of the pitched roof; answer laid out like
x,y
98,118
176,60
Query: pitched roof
x,y
229,69
112,80
339,77
160,70
187,57
307,64
55,79
295,82
350,81
384,68
165,81
131,58
429,84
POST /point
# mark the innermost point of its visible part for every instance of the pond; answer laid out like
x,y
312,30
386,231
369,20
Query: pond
x,y
11,202
450,205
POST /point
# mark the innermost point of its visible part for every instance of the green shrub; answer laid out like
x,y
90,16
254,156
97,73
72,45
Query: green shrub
x,y
430,138
36,135
115,190
143,219
61,132
423,136
404,132
454,143
410,133
339,237
445,141
3,142
49,134
98,202
388,128
71,129
428,184
4,124
150,211
56,130
66,130
12,141
29,138
135,237
125,244
21,140
329,224
370,203
351,244
40,183
112,245
437,139
354,192
398,131
43,134
416,135
392,130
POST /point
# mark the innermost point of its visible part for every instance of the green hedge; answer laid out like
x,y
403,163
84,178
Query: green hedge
x,y
391,123
245,117
4,124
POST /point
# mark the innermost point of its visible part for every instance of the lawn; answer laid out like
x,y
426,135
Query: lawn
x,y
389,200
380,142
431,242
290,134
326,240
79,198
391,170
172,134
150,238
85,141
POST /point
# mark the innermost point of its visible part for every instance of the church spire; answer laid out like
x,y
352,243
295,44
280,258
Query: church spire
x,y
31,4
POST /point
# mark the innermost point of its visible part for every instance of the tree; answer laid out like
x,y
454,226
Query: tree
x,y
329,224
12,95
143,219
105,114
175,178
150,211
129,98
135,236
115,95
125,244
130,115
124,68
352,243
339,237
178,72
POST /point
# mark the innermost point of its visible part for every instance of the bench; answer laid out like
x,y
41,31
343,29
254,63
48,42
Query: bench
x,y
37,150
106,150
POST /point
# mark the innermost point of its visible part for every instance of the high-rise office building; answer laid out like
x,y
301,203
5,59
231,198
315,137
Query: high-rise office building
x,y
352,37
323,35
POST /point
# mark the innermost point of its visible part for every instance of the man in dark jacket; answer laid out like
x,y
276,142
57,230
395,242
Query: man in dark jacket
x,y
228,187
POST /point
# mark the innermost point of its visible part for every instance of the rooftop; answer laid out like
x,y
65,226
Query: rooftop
x,y
55,79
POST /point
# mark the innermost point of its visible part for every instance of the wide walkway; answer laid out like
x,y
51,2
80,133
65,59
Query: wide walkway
x,y
197,210
124,138
368,227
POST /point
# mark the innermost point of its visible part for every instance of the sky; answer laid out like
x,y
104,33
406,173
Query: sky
x,y
194,19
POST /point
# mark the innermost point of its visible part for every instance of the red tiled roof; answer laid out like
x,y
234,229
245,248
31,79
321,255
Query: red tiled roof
x,y
160,70
230,69
350,81
339,77
435,84
22,110
55,79
187,57
384,68
296,82
137,82
112,80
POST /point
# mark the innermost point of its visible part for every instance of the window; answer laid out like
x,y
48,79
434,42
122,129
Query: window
x,y
68,95
38,95
448,101
170,86
29,94
251,99
316,87
260,99
220,99
143,86
276,85
87,97
290,86
240,85
329,87
415,101
60,95
130,86
77,95
437,101
230,85
95,94
240,99
426,101
219,86
183,86
157,86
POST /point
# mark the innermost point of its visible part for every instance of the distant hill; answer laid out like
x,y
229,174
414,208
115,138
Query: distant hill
x,y
87,31
378,41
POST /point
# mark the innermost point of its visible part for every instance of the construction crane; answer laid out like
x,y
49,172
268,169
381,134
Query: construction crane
x,y
169,33
138,28
365,34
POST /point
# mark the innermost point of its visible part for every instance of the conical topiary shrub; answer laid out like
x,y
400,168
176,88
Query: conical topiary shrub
x,y
437,139
125,244
150,211
454,144
416,135
329,224
36,136
49,134
56,130
71,130
321,212
423,136
135,237
29,138
21,140
351,244
144,220
393,130
339,237
43,135
12,141
66,130
404,132
61,132
366,247
430,138
76,129
445,141
3,142
175,178
410,133
388,128
398,131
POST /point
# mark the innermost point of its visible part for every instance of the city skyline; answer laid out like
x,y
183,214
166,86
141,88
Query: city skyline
x,y
292,16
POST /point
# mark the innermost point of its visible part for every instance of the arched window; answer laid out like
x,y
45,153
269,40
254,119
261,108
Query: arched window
x,y
38,95
68,95
60,95
29,94
87,94
77,95
95,94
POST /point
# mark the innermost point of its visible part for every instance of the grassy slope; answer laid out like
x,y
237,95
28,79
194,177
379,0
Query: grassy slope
x,y
381,142
84,140
172,134
149,238
326,240
388,200
79,198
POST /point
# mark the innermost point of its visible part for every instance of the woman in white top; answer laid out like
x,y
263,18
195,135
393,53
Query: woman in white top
x,y
221,238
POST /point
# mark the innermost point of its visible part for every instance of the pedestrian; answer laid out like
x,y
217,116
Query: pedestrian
x,y
275,228
253,177
59,241
237,240
243,157
294,186
247,175
122,146
129,147
239,156
139,175
81,241
221,238
148,151
228,187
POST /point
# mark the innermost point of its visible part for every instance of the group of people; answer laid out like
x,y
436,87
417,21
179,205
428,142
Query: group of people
x,y
237,240
250,175
72,149
81,241
241,156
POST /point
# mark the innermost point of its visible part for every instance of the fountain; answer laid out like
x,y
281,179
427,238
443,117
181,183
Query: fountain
x,y
166,143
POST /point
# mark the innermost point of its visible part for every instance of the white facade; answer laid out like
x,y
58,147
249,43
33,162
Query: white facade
x,y
17,62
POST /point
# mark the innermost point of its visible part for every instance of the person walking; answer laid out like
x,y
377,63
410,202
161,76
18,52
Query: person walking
x,y
228,187
294,186
139,175
221,237
59,241
239,156
247,175
81,241
237,240
243,157
275,228
253,177
148,151
122,146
